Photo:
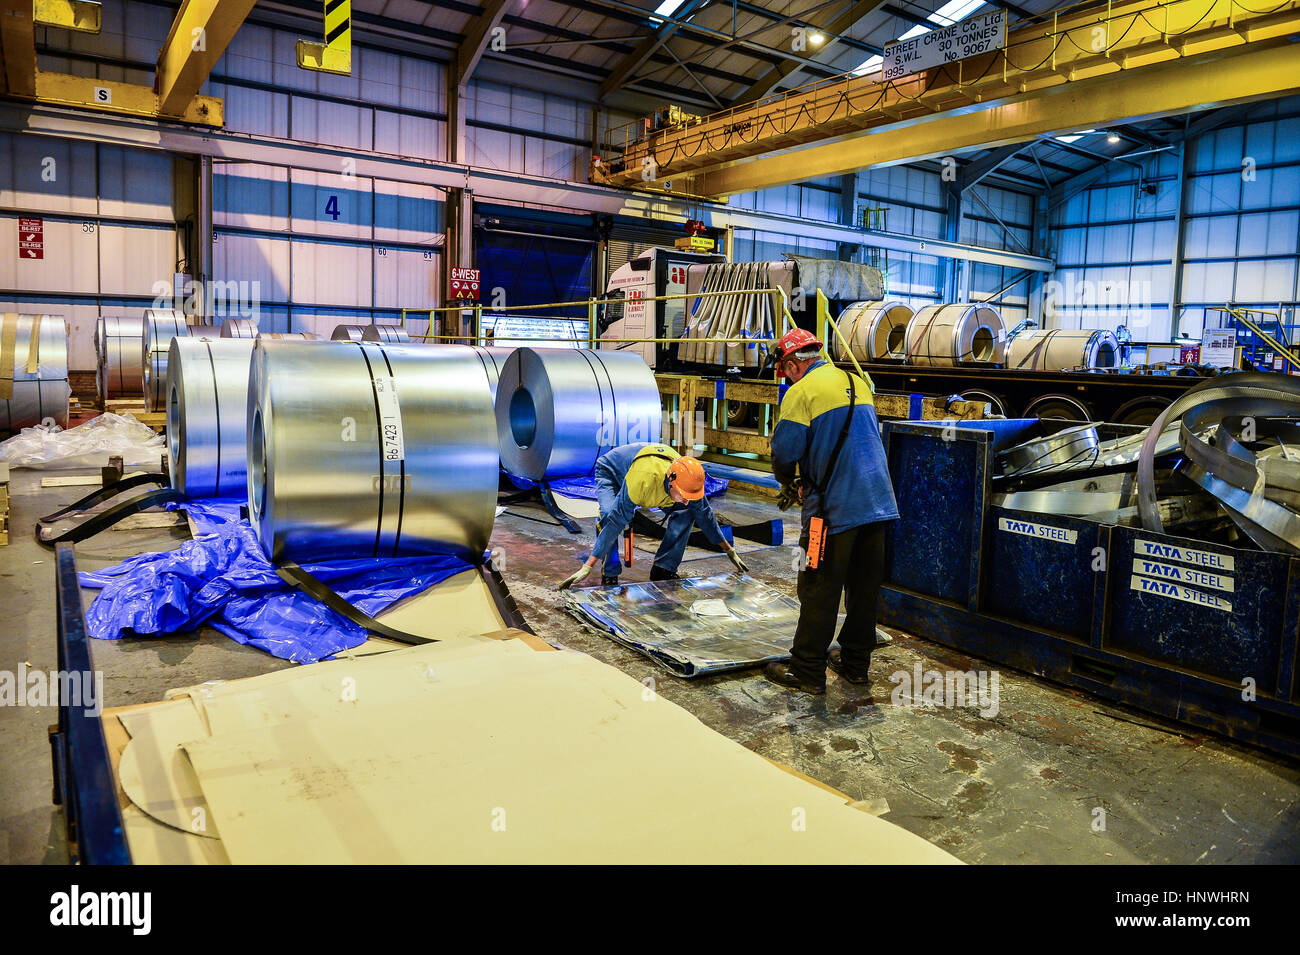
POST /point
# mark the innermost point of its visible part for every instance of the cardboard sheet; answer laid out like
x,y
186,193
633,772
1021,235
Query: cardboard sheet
x,y
154,773
540,757
152,843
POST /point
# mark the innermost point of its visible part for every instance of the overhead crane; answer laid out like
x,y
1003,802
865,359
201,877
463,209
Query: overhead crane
x,y
1088,65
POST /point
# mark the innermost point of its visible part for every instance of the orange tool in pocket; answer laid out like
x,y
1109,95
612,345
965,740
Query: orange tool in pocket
x,y
627,547
816,542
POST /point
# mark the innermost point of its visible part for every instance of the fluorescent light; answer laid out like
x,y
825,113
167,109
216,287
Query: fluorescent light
x,y
816,39
1113,138
666,9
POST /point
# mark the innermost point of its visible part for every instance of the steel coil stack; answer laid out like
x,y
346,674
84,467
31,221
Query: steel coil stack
x,y
117,351
559,409
1062,349
387,334
875,331
33,371
161,325
369,450
205,331
288,336
956,334
238,328
207,416
348,333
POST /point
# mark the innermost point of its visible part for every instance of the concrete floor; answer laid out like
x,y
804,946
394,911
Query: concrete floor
x,y
1022,786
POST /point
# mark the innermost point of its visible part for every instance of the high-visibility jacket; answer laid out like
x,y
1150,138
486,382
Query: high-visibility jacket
x,y
813,412
642,472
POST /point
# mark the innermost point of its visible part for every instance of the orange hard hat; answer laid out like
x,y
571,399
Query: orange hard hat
x,y
687,475
796,340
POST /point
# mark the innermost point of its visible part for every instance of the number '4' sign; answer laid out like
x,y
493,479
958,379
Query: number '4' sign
x,y
332,207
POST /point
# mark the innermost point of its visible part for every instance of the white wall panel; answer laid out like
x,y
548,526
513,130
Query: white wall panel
x,y
70,265
135,184
254,259
338,124
133,258
28,181
327,204
406,278
408,213
329,273
248,196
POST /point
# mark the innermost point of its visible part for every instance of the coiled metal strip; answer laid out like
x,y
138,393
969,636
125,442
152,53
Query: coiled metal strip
x,y
874,330
161,325
1055,349
238,328
33,371
1076,446
388,334
559,409
947,335
348,333
369,450
289,336
207,416
118,350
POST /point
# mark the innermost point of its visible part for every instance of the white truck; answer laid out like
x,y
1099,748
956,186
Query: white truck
x,y
630,313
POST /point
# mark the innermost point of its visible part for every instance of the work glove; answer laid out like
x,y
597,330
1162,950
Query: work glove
x,y
736,559
791,494
580,574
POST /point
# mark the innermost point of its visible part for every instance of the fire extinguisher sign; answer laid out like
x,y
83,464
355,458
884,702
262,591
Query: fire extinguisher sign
x,y
31,238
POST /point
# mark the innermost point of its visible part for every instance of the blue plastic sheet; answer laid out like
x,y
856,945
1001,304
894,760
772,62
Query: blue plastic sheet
x,y
223,579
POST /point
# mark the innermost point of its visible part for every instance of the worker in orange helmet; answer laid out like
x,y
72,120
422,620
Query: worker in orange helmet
x,y
828,457
650,475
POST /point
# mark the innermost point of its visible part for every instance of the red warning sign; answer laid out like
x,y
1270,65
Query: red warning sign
x,y
31,238
464,285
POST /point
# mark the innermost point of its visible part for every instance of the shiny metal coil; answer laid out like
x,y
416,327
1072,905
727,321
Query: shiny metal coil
x,y
348,333
559,409
874,330
1057,349
369,450
117,352
238,328
33,371
947,335
161,325
389,334
205,331
207,416
289,336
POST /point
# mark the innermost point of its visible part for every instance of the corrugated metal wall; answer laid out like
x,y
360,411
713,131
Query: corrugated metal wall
x,y
1115,241
110,226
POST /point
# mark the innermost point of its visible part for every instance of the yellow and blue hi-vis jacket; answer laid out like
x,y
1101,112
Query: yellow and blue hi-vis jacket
x,y
812,415
638,475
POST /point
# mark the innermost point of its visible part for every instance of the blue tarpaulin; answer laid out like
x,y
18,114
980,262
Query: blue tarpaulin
x,y
223,579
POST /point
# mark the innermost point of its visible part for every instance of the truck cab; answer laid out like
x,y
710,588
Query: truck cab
x,y
629,311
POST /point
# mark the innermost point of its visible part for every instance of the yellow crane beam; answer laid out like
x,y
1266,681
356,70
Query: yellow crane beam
x,y
199,36
82,16
17,48
335,54
1085,67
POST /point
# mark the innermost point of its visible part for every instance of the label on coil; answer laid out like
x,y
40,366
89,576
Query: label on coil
x,y
390,419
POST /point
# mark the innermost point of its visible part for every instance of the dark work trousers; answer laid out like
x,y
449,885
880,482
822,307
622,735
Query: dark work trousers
x,y
854,563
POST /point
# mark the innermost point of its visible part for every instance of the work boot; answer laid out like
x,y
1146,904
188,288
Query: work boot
x,y
657,573
858,676
608,581
783,674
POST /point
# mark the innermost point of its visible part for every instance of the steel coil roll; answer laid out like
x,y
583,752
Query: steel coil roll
x,y
207,416
947,335
388,334
289,336
238,328
205,331
1057,349
559,409
161,325
874,330
348,333
117,350
33,371
369,450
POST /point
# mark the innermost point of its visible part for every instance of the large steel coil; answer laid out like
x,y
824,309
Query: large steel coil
x,y
207,416
348,333
874,330
388,334
117,353
559,409
205,331
161,325
1063,349
239,328
369,450
289,336
956,334
33,371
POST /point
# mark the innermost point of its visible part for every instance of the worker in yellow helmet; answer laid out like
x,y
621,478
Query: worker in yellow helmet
x,y
650,475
